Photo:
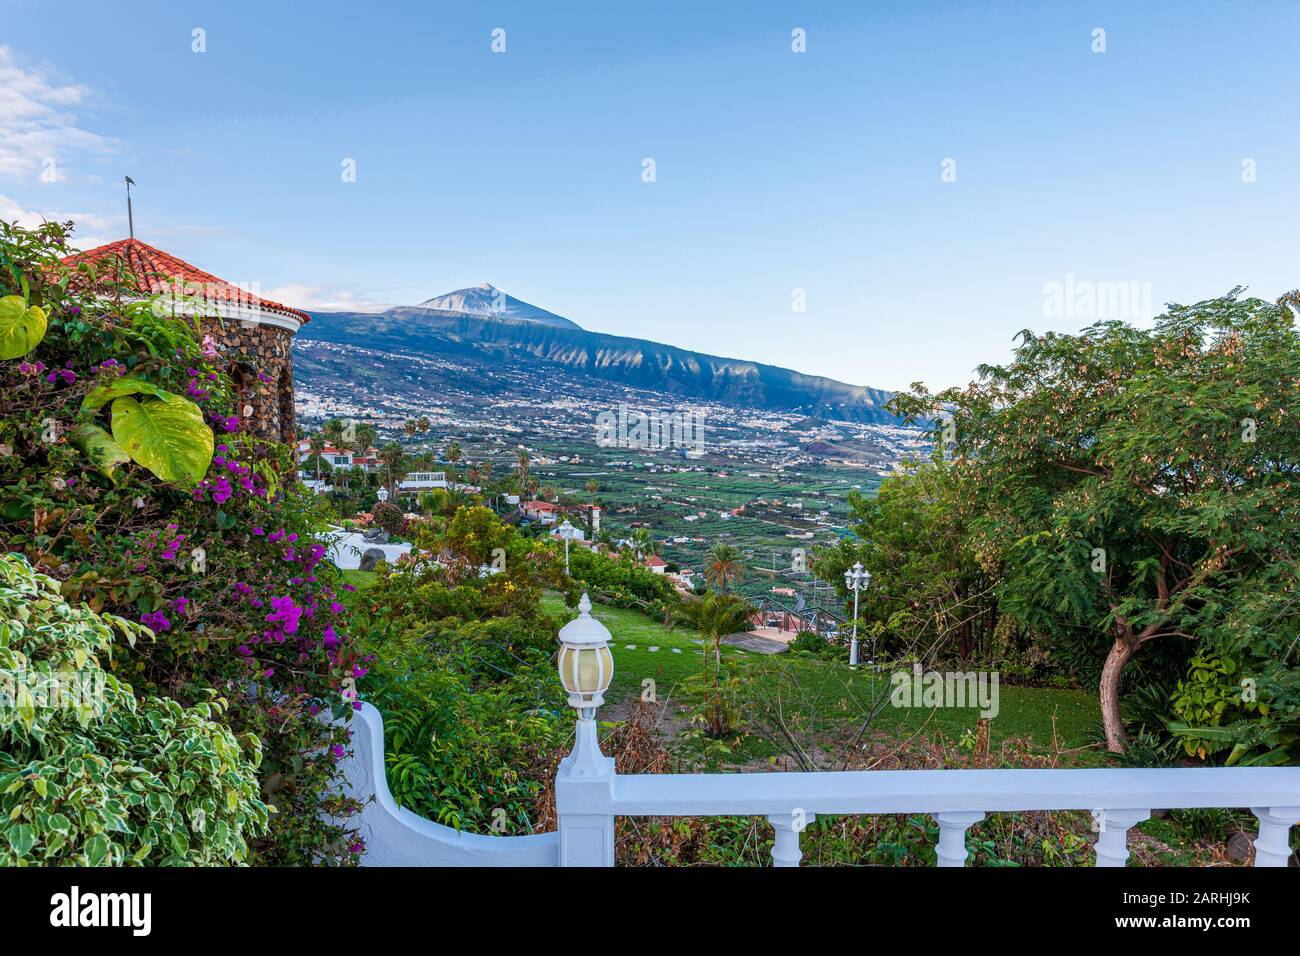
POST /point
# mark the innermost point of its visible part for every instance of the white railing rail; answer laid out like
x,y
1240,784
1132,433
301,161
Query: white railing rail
x,y
588,804
957,799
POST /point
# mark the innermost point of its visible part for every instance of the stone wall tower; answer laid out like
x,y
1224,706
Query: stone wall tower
x,y
238,321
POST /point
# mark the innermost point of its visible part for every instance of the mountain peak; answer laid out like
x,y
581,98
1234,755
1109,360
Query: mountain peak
x,y
488,302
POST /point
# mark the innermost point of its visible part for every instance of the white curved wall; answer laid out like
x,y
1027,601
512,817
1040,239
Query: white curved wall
x,y
397,837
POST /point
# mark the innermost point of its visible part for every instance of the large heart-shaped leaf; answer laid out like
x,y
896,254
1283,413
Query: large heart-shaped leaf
x,y
166,434
101,395
21,327
104,453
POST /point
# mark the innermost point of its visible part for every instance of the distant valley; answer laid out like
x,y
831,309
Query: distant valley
x,y
781,451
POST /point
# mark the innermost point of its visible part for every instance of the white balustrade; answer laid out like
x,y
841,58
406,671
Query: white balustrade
x,y
1273,845
590,794
788,826
952,836
1112,834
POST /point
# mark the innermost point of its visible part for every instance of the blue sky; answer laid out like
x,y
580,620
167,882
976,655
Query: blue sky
x,y
775,171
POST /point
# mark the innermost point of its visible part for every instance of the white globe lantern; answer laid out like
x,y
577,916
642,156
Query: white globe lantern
x,y
585,663
586,668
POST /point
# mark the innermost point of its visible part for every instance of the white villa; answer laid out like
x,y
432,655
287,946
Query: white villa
x,y
340,457
423,481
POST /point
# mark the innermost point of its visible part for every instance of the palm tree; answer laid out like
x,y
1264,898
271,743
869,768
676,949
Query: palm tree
x,y
593,486
521,461
422,424
549,492
485,471
453,454
411,427
364,438
332,431
714,617
316,445
393,456
723,568
643,544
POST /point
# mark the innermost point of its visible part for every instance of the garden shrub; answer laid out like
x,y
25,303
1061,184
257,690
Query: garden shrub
x,y
462,669
90,775
621,583
388,516
809,641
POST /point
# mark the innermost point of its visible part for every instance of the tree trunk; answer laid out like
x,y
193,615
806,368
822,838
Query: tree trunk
x,y
1116,738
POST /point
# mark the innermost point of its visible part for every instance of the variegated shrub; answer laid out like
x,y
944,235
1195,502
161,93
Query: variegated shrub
x,y
89,775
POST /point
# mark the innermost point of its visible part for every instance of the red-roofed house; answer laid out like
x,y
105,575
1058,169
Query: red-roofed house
x,y
542,511
656,564
238,320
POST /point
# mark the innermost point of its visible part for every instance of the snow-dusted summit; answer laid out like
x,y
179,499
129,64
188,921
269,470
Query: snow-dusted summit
x,y
488,301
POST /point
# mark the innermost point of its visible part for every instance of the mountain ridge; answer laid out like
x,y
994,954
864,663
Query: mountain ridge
x,y
530,338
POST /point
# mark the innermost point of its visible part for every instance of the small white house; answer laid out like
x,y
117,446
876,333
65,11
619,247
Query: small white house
x,y
423,481
570,531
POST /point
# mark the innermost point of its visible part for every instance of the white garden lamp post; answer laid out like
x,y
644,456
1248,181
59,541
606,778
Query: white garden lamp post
x,y
586,668
383,494
855,579
566,531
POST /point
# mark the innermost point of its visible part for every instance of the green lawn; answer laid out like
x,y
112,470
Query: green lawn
x,y
358,579
677,655
829,693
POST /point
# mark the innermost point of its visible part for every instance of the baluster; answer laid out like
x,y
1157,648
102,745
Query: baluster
x,y
1112,838
788,826
952,835
1273,845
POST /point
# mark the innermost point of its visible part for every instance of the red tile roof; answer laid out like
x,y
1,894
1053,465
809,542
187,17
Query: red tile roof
x,y
654,561
155,270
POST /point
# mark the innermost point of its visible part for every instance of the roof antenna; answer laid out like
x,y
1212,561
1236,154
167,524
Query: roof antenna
x,y
130,219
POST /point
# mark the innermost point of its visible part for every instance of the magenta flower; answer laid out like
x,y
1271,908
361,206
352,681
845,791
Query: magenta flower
x,y
156,621
285,612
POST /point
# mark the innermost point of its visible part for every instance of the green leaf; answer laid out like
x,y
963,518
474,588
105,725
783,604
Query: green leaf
x,y
21,327
104,453
101,395
96,849
166,435
22,837
179,843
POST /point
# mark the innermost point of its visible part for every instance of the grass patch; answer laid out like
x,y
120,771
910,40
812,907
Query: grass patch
x,y
361,580
830,696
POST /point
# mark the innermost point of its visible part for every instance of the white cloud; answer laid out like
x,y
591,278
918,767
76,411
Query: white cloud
x,y
38,133
91,229
325,298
